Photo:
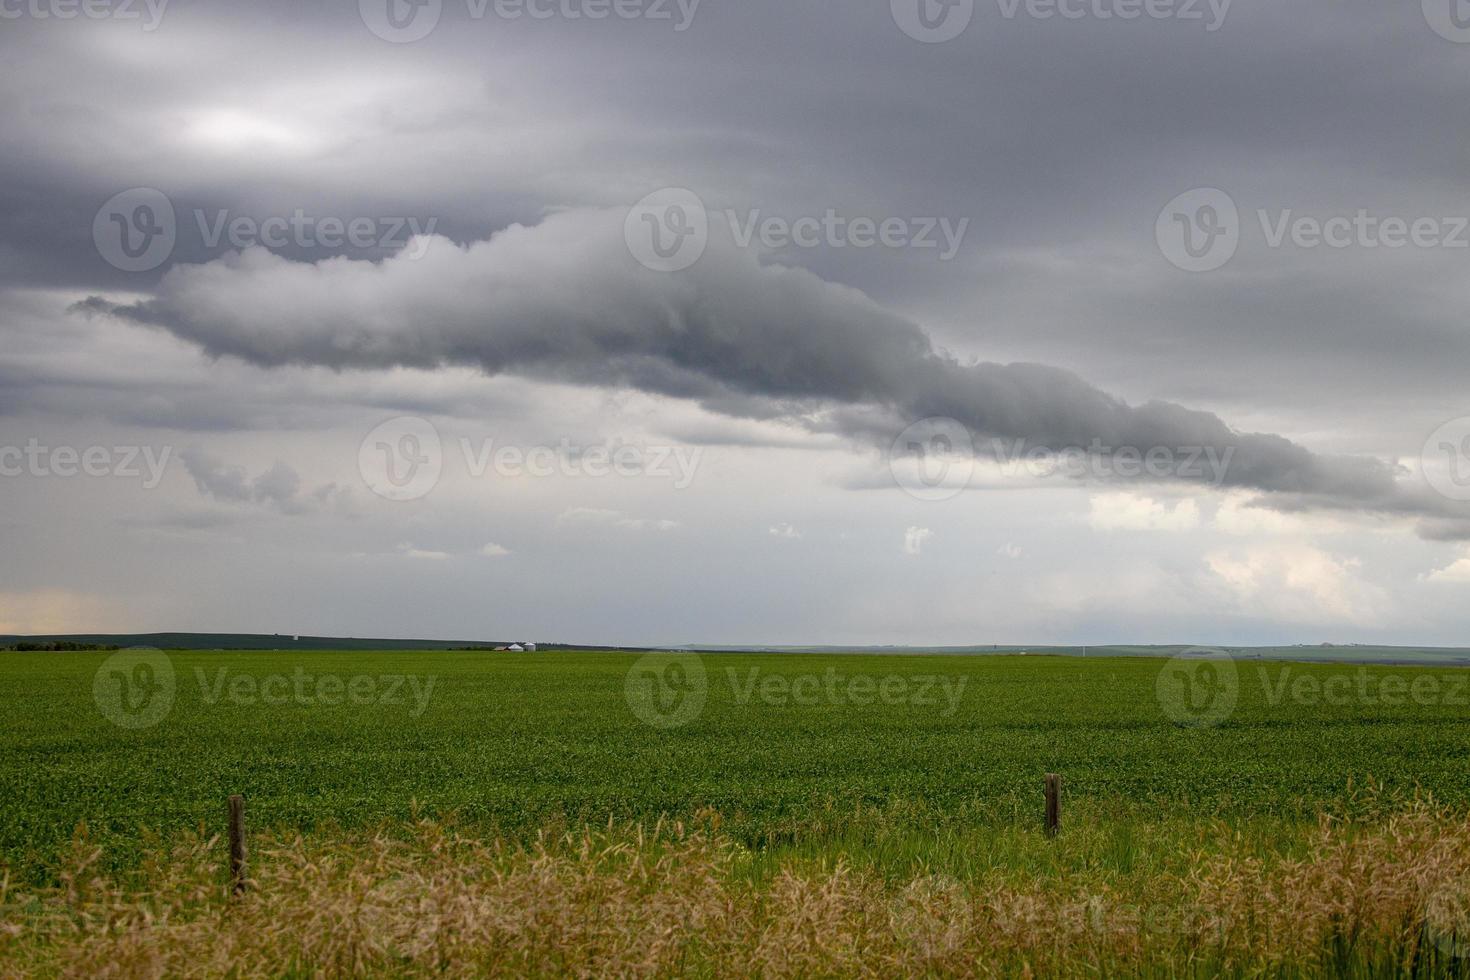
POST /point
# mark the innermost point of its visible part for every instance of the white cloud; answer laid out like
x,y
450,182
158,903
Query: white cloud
x,y
1009,550
1299,583
614,518
409,551
914,538
493,550
1124,511
784,530
647,524
1456,572
1238,514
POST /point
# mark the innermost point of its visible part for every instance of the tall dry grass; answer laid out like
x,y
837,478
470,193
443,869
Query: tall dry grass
x,y
1381,897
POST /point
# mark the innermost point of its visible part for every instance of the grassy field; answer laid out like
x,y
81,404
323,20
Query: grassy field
x,y
458,813
514,742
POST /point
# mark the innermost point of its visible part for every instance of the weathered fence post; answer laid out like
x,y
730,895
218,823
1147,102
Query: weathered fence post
x,y
1053,803
237,844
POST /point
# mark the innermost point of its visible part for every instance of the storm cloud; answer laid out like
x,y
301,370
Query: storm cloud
x,y
565,300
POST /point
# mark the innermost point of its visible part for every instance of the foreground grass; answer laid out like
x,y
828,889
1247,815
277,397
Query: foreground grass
x,y
1380,895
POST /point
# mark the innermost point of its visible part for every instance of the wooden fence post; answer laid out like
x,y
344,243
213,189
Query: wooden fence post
x,y
1053,803
237,844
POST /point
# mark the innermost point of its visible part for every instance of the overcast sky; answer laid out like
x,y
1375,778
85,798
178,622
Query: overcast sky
x,y
771,321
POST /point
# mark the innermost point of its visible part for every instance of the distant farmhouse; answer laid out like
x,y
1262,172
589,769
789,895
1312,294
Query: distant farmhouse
x,y
517,648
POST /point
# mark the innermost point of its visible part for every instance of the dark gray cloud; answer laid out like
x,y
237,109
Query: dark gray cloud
x,y
565,300
1059,137
279,486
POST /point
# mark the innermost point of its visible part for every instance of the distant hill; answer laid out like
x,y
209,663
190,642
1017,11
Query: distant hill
x,y
1329,653
1324,652
247,641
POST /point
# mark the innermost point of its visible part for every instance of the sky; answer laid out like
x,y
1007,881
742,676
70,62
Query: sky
x,y
658,322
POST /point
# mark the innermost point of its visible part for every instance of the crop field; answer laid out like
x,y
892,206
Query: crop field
x,y
791,751
460,813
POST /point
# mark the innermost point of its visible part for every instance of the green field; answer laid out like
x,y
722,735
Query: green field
x,y
514,742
